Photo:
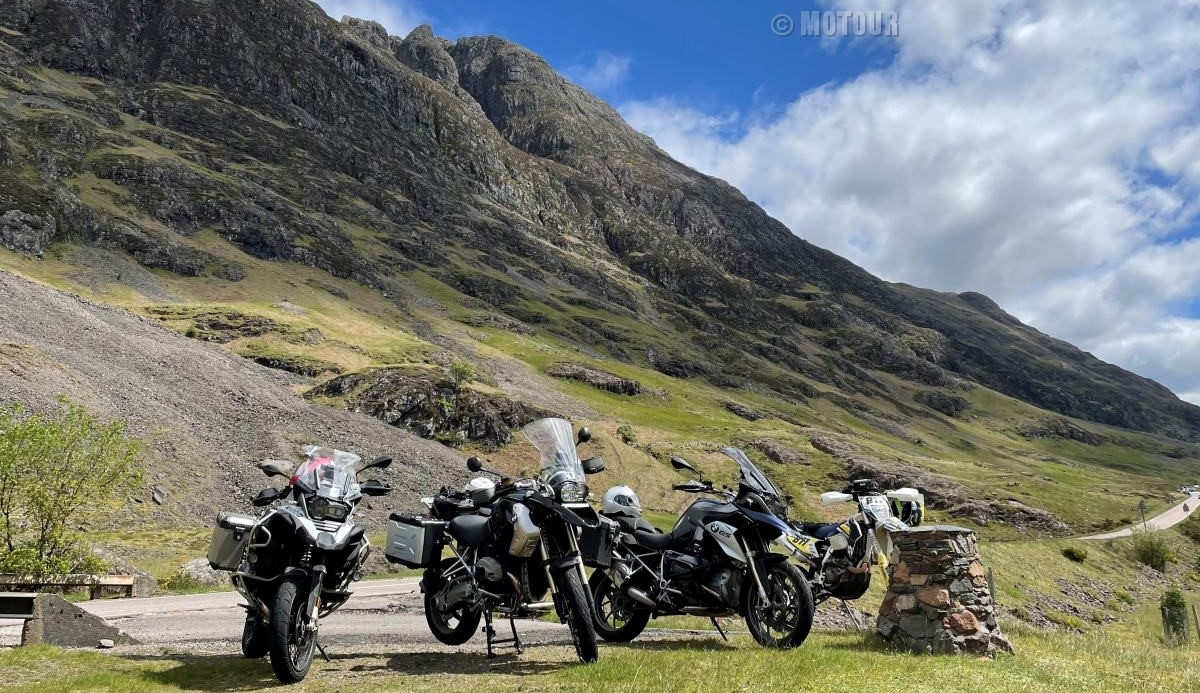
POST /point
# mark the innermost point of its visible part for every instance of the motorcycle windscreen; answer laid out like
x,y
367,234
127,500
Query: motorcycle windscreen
x,y
555,442
752,476
328,472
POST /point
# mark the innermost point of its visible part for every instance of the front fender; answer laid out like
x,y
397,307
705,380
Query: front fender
x,y
569,516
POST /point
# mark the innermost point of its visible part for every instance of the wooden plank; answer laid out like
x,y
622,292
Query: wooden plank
x,y
68,580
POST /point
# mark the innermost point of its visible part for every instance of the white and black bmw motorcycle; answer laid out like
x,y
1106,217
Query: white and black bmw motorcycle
x,y
295,562
849,549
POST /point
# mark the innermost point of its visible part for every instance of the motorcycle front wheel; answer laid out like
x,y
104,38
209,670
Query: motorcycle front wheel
x,y
578,615
289,640
784,619
451,626
616,617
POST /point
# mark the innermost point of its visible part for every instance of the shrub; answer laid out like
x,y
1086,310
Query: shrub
x,y
1075,553
1175,621
53,469
1190,528
625,432
461,373
1153,549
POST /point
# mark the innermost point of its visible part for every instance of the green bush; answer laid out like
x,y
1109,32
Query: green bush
x,y
1153,549
625,431
1175,620
53,470
462,373
1190,528
1075,553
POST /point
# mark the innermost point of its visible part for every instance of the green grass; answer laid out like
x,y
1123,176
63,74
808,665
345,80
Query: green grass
x,y
1125,659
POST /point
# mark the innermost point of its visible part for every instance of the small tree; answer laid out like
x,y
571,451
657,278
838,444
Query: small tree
x,y
462,373
52,469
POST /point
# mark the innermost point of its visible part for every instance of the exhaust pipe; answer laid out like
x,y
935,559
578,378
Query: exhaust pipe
x,y
639,596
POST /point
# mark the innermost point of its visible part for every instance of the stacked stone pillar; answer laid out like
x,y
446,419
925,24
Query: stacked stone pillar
x,y
939,601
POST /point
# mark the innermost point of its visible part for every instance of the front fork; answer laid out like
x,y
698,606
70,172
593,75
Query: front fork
x,y
313,605
571,561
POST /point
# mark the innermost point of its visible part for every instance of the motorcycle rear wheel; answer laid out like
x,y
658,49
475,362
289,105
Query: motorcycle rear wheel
x,y
615,616
449,626
784,620
289,641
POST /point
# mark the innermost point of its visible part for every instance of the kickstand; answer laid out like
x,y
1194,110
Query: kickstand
x,y
490,632
858,625
321,648
719,629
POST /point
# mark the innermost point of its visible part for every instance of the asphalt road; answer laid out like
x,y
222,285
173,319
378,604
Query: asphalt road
x,y
382,613
1163,520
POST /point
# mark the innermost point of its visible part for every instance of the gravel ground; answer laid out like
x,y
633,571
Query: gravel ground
x,y
207,415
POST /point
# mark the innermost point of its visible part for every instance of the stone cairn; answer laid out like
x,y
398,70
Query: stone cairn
x,y
939,601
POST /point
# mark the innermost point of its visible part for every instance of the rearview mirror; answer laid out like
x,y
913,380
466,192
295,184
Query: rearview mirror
x,y
585,434
381,462
374,487
266,497
276,468
474,464
593,465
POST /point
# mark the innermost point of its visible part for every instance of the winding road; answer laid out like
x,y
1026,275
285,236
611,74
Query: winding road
x,y
1168,518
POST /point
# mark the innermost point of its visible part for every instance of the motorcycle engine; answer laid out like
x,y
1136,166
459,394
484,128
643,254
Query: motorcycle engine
x,y
725,582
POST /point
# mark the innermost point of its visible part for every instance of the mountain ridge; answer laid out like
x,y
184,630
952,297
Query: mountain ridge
x,y
297,138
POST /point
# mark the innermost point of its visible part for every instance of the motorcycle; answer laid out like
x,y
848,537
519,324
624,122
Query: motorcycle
x,y
295,562
848,550
715,562
510,544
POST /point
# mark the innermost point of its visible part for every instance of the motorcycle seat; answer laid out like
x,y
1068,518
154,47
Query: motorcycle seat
x,y
820,531
647,535
471,530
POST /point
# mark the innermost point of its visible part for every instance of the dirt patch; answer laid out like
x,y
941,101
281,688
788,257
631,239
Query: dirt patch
x,y
207,415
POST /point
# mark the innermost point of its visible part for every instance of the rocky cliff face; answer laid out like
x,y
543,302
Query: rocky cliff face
x,y
147,125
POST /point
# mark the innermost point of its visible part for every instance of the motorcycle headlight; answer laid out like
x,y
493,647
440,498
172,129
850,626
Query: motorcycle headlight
x,y
572,492
325,509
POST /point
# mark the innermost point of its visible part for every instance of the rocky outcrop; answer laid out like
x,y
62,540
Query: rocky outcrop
x,y
939,600
601,380
429,404
62,624
950,405
777,452
1062,429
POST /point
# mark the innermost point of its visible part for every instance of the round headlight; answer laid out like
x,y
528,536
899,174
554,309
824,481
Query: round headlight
x,y
572,492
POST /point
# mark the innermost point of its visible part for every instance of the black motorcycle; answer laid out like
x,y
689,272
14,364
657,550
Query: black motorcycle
x,y
715,562
294,564
510,545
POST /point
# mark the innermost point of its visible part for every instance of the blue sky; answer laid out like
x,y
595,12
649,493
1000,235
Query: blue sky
x,y
1043,152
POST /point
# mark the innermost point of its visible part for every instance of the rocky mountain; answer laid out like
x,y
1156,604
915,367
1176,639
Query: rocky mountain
x,y
467,181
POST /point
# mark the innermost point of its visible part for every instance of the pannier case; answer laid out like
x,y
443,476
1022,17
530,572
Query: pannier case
x,y
229,540
414,541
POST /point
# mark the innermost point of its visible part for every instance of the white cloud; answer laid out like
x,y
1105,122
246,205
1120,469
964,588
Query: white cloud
x,y
1045,153
604,71
398,16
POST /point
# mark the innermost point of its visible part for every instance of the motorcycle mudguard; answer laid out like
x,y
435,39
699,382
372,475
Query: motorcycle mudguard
x,y
569,516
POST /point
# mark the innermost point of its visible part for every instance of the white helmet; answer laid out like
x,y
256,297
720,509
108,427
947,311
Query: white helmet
x,y
621,500
480,489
